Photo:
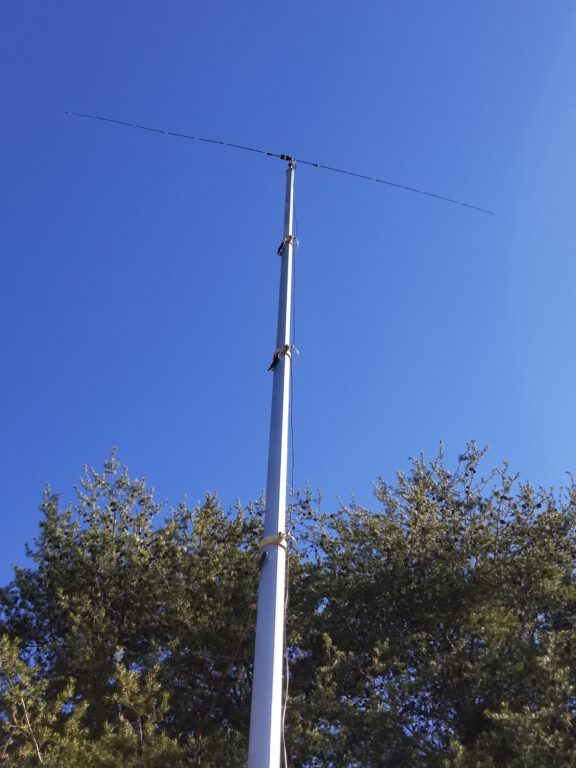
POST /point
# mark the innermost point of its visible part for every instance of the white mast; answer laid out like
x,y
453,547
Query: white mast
x,y
266,713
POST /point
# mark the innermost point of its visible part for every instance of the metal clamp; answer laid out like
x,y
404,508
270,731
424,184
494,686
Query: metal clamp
x,y
278,353
288,240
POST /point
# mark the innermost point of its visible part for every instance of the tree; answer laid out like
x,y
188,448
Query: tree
x,y
436,630
177,600
443,628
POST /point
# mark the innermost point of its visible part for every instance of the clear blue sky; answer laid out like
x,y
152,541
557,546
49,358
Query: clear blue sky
x,y
138,278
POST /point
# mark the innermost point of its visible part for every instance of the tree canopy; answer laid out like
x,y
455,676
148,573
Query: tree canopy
x,y
435,630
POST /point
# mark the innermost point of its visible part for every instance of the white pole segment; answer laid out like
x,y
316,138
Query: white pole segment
x,y
266,713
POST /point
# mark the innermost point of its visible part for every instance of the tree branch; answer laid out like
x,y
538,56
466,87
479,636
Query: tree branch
x,y
36,747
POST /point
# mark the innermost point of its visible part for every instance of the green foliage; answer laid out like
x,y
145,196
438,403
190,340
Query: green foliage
x,y
178,598
443,632
34,729
40,730
436,631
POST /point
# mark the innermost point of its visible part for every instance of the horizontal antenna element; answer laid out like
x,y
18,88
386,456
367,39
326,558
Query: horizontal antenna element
x,y
282,157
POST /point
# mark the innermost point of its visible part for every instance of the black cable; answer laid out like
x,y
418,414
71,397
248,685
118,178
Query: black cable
x,y
292,361
282,157
286,661
289,527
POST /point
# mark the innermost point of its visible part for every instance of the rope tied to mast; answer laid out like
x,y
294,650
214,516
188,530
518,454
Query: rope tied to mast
x,y
280,539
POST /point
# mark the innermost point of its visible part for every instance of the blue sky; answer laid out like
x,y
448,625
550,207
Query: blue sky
x,y
138,278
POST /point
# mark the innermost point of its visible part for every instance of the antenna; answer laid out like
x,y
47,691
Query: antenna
x,y
321,166
266,717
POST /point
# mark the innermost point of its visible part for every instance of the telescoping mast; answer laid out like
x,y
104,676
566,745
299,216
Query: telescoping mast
x,y
266,721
